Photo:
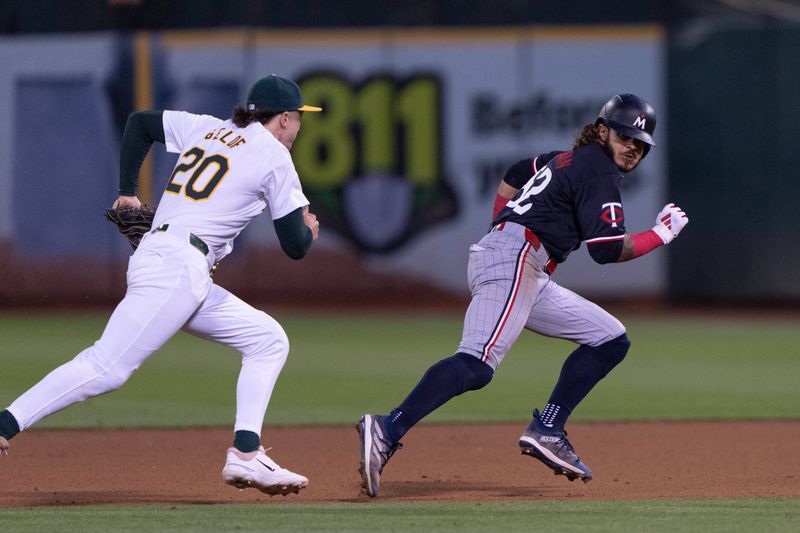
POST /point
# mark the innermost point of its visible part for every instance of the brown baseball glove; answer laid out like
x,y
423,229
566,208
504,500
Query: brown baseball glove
x,y
132,222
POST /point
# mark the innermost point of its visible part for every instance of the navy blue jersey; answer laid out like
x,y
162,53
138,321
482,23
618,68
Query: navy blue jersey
x,y
567,198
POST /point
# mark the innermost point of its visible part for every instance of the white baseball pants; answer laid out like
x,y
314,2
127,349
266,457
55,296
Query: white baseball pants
x,y
169,288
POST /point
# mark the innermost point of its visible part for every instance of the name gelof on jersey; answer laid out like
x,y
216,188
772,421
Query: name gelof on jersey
x,y
223,135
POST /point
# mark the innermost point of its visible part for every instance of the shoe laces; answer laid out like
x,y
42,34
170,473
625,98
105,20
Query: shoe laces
x,y
393,448
564,445
251,456
264,453
388,448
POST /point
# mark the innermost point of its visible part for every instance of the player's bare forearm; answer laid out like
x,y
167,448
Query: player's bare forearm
x,y
639,244
311,222
627,249
506,191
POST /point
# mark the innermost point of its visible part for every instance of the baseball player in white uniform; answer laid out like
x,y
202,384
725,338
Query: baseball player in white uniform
x,y
229,172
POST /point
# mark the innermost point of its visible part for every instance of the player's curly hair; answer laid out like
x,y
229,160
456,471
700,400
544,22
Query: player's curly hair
x,y
587,135
242,117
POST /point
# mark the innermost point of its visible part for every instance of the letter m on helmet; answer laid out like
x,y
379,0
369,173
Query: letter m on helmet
x,y
640,122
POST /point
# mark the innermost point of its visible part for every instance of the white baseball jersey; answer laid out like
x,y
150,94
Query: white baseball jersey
x,y
225,177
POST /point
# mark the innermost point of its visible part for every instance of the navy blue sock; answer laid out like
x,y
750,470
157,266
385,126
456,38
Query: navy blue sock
x,y
246,441
554,416
444,380
8,424
582,370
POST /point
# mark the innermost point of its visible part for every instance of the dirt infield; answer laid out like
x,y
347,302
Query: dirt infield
x,y
439,462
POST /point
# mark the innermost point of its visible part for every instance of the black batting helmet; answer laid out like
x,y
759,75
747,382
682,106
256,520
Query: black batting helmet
x,y
632,116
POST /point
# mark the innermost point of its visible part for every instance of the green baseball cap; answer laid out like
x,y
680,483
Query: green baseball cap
x,y
277,95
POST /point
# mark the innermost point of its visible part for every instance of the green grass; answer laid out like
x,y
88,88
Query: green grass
x,y
707,516
343,366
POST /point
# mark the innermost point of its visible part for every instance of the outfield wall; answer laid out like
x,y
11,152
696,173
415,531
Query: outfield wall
x,y
401,168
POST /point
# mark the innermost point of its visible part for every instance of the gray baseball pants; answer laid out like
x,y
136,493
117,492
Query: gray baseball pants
x,y
511,289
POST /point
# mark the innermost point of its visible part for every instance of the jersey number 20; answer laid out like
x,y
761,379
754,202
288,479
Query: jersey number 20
x,y
524,199
215,164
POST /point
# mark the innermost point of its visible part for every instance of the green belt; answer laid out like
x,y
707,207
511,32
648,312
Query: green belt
x,y
194,240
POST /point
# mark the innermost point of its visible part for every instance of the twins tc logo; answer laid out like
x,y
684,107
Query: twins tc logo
x,y
640,121
612,214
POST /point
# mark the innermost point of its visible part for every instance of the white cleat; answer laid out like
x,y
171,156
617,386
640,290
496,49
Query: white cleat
x,y
256,469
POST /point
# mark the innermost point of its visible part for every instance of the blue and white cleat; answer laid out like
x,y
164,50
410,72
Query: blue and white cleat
x,y
551,446
376,449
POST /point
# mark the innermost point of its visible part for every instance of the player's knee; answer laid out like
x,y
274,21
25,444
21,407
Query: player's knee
x,y
475,374
115,378
116,375
106,374
280,342
611,330
615,350
271,343
620,344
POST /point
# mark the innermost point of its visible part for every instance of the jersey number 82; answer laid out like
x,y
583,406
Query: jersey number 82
x,y
523,200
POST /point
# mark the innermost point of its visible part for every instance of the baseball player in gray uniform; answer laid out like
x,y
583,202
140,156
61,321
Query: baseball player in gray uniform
x,y
545,208
229,172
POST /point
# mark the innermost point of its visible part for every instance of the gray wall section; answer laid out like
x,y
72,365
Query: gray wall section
x,y
734,164
64,168
732,95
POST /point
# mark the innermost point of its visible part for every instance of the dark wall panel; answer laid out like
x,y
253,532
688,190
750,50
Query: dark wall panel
x,y
733,164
